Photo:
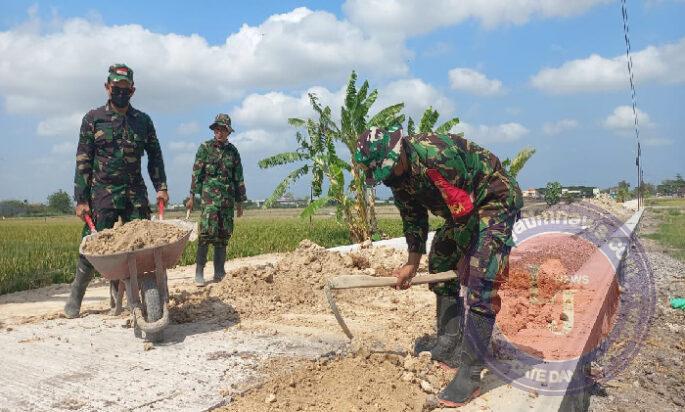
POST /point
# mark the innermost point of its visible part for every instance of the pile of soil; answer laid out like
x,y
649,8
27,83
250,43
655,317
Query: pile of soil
x,y
291,291
360,382
606,202
134,235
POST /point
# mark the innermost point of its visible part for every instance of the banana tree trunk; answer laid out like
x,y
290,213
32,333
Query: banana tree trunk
x,y
371,210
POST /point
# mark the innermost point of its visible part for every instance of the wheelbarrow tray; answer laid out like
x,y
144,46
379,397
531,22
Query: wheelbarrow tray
x,y
116,266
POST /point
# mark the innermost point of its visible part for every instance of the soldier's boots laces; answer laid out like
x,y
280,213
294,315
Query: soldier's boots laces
x,y
200,261
83,275
219,260
450,320
466,384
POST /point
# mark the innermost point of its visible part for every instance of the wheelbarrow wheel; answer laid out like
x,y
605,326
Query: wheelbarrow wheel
x,y
153,305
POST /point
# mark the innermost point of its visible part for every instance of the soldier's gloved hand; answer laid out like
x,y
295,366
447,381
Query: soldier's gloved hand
x,y
82,209
404,275
190,203
163,196
239,209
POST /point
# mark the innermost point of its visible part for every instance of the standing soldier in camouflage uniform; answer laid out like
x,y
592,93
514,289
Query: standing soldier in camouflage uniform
x,y
467,186
218,181
108,182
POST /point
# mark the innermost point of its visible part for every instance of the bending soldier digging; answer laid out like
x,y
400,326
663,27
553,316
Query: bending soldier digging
x,y
108,182
218,181
467,186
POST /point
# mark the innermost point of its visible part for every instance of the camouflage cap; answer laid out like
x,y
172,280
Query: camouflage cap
x,y
222,119
378,151
120,72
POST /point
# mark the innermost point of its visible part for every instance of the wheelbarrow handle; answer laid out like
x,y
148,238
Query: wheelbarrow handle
x,y
91,225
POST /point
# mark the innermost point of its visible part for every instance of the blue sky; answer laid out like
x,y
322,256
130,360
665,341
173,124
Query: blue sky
x,y
548,74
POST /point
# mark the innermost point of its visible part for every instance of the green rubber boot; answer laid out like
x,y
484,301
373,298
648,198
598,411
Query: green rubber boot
x,y
200,262
83,275
219,260
466,384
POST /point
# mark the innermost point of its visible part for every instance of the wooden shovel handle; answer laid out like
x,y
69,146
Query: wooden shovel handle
x,y
365,281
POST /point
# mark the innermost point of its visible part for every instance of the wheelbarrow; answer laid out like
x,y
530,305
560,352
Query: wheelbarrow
x,y
144,274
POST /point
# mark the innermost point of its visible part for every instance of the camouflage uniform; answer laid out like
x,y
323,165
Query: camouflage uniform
x,y
218,181
108,162
444,169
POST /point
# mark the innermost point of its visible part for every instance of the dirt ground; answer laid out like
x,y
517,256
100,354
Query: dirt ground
x,y
265,340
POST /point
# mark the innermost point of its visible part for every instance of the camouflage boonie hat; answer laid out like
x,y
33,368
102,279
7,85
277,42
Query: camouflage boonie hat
x,y
120,72
378,152
222,119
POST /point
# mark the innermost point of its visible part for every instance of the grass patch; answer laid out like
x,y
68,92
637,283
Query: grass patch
x,y
669,202
671,232
40,252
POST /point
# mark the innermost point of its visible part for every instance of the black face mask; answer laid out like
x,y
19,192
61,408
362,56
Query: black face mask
x,y
120,96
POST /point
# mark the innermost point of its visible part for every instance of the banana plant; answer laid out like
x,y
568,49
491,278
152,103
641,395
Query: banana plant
x,y
427,124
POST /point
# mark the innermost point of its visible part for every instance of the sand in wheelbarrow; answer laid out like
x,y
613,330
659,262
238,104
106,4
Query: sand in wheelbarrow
x,y
134,235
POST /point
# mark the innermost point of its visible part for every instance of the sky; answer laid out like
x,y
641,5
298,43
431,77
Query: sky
x,y
548,74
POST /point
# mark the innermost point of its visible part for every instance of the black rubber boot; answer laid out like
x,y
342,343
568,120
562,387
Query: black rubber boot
x,y
466,384
450,319
200,262
83,275
219,260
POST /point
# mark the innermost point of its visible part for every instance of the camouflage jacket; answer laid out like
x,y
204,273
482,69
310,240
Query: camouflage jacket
x,y
462,165
108,159
218,175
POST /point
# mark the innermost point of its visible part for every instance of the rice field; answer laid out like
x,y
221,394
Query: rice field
x,y
38,252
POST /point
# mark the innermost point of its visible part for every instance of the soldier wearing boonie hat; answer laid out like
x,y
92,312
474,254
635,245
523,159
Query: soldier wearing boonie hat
x,y
218,181
467,186
108,183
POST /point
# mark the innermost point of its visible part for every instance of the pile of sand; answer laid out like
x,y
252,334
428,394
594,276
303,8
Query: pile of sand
x,y
361,382
134,235
291,291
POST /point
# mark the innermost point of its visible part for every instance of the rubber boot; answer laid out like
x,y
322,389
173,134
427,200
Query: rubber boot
x,y
450,319
466,384
219,260
83,275
200,261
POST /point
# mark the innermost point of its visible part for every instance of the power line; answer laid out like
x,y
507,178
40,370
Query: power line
x,y
633,95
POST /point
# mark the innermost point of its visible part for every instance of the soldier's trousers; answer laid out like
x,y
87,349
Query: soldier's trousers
x,y
481,257
216,225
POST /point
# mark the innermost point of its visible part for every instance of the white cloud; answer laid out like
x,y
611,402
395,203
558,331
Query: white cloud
x,y
471,81
174,72
417,95
659,64
506,132
554,128
188,128
64,125
179,146
405,18
622,120
272,110
260,140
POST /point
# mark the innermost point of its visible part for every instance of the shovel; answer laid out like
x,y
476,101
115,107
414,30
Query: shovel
x,y
365,281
